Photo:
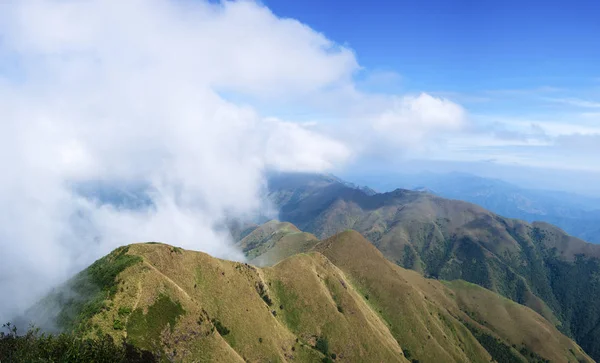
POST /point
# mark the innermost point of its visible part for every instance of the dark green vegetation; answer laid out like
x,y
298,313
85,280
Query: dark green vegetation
x,y
500,352
577,286
34,346
221,329
322,346
87,293
537,265
144,330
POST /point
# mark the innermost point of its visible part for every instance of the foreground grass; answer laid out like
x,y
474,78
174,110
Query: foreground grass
x,y
34,346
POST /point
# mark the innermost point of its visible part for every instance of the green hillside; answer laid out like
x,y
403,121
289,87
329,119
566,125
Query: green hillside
x,y
536,264
341,301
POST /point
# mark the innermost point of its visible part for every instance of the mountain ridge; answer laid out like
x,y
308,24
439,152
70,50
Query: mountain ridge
x,y
576,214
341,300
533,264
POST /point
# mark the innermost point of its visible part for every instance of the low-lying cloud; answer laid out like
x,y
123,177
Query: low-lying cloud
x,y
127,94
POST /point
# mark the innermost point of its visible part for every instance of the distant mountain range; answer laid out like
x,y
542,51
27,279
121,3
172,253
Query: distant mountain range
x,y
578,215
536,264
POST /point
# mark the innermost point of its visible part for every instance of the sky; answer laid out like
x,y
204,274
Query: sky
x,y
463,46
187,104
527,73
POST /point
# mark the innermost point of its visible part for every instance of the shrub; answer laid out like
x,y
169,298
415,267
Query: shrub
x,y
322,345
267,299
118,325
36,347
124,311
220,327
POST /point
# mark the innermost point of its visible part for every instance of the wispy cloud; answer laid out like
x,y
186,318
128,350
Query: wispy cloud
x,y
576,102
462,97
523,91
591,115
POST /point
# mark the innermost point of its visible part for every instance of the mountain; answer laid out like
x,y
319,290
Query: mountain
x,y
274,241
578,215
537,265
341,300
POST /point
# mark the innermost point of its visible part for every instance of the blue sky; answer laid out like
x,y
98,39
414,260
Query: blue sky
x,y
464,46
527,72
511,54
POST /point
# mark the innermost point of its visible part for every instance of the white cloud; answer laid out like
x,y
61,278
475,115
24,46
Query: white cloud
x,y
575,102
291,144
411,119
233,45
532,142
590,115
128,92
547,125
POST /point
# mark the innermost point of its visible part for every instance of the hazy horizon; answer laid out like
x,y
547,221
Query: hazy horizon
x,y
583,183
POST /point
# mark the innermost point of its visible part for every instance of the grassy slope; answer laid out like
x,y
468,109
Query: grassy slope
x,y
192,307
419,308
510,320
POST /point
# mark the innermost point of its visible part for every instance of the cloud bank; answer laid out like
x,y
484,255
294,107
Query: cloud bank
x,y
130,95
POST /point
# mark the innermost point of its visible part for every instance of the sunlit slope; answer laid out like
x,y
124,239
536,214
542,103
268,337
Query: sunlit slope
x,y
343,300
190,306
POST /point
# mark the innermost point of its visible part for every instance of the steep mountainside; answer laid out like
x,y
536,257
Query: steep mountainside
x,y
536,264
343,301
